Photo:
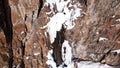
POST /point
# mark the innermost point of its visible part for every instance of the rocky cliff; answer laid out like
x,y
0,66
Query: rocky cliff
x,y
59,33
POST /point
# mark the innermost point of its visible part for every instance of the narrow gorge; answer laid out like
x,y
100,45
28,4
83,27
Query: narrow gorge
x,y
59,33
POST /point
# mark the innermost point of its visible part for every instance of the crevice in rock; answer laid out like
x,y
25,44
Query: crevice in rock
x,y
112,46
104,55
57,46
23,53
25,18
33,12
6,26
42,54
40,7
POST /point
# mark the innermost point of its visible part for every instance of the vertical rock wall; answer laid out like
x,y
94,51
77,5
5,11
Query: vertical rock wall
x,y
29,41
95,35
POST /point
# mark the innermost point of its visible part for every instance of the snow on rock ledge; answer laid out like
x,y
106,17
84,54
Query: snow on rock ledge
x,y
67,12
50,60
66,56
66,53
118,51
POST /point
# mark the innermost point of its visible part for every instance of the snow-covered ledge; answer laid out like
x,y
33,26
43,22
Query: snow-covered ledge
x,y
118,51
64,15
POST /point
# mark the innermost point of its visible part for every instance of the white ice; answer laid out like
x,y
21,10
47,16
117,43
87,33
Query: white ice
x,y
36,53
102,39
50,60
118,51
66,16
63,16
67,57
89,64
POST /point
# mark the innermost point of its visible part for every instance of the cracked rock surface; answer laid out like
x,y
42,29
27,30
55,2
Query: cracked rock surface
x,y
94,35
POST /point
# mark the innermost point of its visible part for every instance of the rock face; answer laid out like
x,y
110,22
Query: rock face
x,y
6,27
98,32
93,33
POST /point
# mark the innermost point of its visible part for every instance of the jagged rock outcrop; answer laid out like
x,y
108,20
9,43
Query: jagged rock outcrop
x,y
29,41
93,35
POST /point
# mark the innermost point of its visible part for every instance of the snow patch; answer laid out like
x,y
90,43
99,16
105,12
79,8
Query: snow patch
x,y
55,24
113,16
5,67
45,33
102,39
71,65
22,32
64,15
118,51
15,66
36,53
85,64
50,62
27,57
89,64
118,20
97,32
66,53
